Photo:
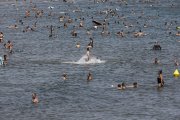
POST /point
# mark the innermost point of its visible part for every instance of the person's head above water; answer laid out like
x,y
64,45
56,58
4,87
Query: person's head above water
x,y
35,98
89,77
135,84
119,85
160,71
156,61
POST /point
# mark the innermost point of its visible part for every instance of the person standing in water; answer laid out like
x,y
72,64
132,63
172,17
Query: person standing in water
x,y
160,80
89,46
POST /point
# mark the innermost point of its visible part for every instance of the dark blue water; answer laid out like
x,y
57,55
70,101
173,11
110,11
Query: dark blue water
x,y
38,62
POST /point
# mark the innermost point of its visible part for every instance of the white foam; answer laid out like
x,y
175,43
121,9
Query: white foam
x,y
50,7
83,60
1,60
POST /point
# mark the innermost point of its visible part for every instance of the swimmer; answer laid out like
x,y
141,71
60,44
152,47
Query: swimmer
x,y
121,86
160,80
176,63
145,26
78,45
74,33
81,24
9,46
61,18
156,46
20,21
70,20
64,76
5,61
138,34
135,85
35,98
1,37
13,26
27,13
28,28
89,77
156,61
178,34
90,44
39,13
34,25
121,34
65,26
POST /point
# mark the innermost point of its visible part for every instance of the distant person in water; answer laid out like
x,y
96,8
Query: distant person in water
x,y
88,54
35,98
138,34
160,80
1,37
90,45
77,45
178,33
5,61
13,26
121,86
156,61
64,76
135,85
89,76
156,46
27,13
9,46
176,63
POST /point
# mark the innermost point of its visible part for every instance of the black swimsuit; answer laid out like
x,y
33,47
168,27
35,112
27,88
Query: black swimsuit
x,y
158,80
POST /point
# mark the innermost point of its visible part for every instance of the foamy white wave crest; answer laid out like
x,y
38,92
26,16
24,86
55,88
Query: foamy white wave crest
x,y
83,60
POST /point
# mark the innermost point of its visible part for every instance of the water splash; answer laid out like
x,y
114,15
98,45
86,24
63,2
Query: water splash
x,y
84,60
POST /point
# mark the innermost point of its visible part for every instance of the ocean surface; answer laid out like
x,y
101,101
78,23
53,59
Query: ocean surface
x,y
39,61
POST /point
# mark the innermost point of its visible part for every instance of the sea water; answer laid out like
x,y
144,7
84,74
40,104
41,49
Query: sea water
x,y
37,62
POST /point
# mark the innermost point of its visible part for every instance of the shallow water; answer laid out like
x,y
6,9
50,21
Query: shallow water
x,y
38,62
